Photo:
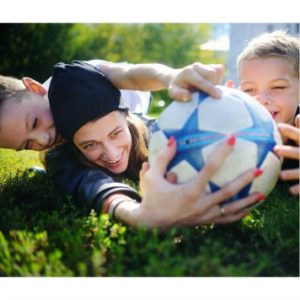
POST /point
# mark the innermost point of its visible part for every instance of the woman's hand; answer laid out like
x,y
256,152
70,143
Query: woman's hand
x,y
166,204
285,151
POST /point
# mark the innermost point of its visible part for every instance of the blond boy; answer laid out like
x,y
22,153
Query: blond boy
x,y
268,70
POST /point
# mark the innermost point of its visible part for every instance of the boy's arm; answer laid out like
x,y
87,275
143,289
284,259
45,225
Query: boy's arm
x,y
143,77
291,153
153,77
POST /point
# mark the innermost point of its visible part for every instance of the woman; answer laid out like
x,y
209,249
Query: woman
x,y
104,139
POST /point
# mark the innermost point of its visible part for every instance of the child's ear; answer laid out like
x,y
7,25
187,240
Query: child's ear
x,y
34,86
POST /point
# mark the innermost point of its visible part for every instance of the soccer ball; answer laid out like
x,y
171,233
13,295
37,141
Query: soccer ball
x,y
201,124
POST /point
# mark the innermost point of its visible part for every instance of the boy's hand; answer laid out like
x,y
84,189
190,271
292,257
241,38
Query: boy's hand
x,y
196,76
293,133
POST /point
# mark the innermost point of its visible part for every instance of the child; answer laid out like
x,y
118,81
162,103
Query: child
x,y
268,70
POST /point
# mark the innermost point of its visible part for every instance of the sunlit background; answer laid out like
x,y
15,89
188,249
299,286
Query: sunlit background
x,y
31,49
232,39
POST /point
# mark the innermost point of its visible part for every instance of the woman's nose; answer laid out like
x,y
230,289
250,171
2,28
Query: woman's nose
x,y
110,151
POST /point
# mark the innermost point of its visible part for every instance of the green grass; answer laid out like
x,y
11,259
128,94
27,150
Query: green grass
x,y
43,234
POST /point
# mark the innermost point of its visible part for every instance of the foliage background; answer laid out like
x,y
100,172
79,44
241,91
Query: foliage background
x,y
32,49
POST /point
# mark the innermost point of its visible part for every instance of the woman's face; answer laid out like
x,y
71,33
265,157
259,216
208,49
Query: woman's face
x,y
106,142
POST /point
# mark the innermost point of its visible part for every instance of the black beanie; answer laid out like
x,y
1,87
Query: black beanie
x,y
78,94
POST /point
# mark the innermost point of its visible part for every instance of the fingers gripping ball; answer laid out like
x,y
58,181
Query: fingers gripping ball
x,y
202,123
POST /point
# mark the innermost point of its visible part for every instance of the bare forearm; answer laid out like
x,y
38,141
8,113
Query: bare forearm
x,y
143,77
154,77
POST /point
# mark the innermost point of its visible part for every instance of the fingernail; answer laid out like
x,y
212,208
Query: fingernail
x,y
171,141
231,140
258,172
260,198
230,83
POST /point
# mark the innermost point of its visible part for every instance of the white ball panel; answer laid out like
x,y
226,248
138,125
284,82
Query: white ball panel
x,y
226,116
276,134
266,182
242,158
157,143
211,114
177,113
184,171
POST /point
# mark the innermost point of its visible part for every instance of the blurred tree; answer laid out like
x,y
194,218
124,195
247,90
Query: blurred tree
x,y
32,49
173,44
113,42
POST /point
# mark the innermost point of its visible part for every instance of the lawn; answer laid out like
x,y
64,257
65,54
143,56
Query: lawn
x,y
43,234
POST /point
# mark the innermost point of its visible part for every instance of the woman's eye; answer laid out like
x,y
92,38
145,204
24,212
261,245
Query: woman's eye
x,y
116,133
89,146
279,87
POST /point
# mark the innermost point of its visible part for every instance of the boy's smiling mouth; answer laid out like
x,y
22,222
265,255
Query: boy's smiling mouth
x,y
274,114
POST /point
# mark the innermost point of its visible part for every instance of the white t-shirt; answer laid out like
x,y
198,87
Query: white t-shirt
x,y
137,101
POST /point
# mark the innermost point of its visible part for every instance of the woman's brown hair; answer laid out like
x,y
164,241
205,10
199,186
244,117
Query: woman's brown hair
x,y
139,149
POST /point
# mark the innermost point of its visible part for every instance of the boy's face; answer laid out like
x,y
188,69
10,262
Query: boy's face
x,y
27,124
272,82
